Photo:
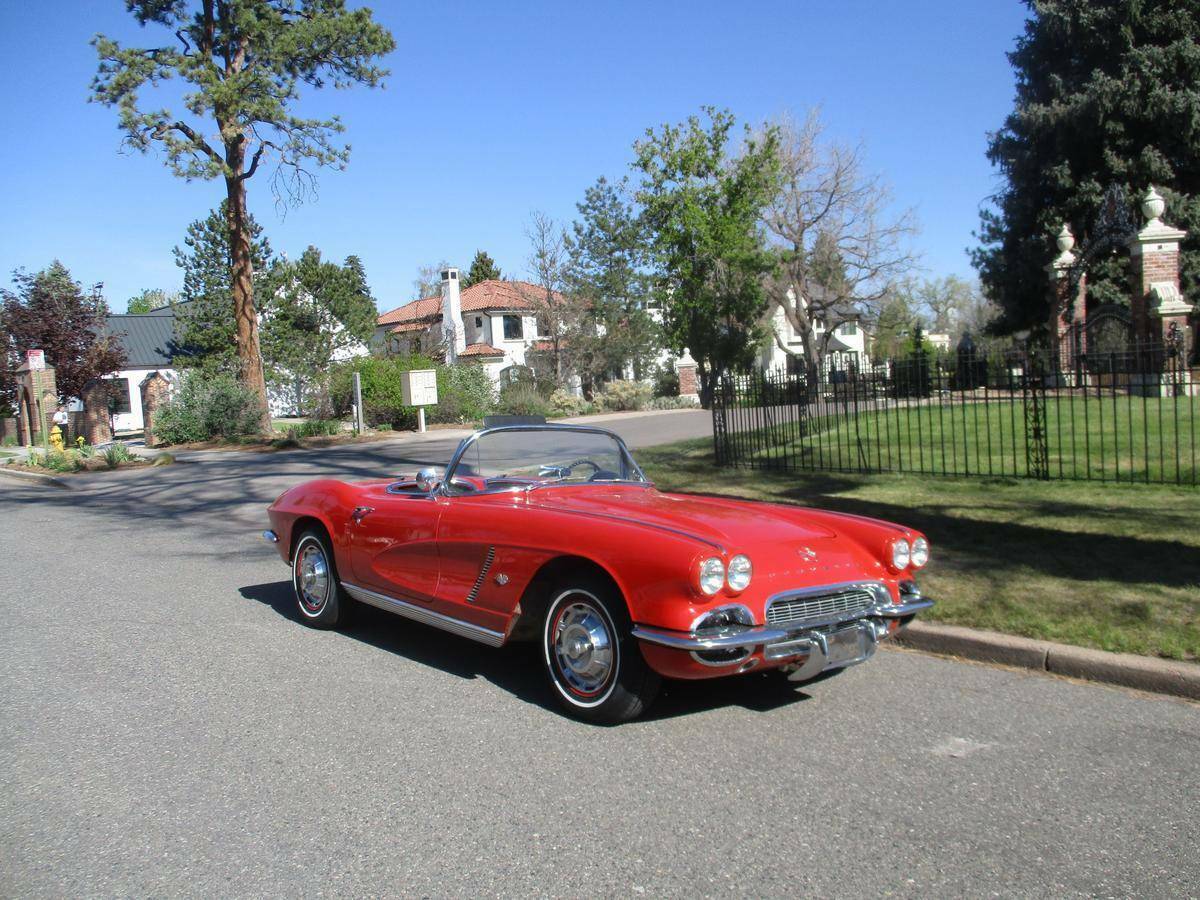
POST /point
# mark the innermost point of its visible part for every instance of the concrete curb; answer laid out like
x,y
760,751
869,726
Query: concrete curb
x,y
1145,673
36,477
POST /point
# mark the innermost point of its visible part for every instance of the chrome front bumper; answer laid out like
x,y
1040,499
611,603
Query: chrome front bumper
x,y
766,636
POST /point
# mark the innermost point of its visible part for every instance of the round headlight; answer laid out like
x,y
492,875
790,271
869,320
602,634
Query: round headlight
x,y
901,554
739,573
920,552
712,575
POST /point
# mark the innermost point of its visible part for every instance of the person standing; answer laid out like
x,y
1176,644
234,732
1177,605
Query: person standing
x,y
62,419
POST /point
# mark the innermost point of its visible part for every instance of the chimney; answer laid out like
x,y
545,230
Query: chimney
x,y
452,320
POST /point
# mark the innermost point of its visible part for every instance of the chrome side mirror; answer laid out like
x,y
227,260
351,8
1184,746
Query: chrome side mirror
x,y
428,480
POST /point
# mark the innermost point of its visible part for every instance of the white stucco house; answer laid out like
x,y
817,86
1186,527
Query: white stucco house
x,y
848,346
493,323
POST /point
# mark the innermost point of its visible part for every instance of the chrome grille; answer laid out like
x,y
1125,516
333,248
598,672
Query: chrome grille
x,y
798,610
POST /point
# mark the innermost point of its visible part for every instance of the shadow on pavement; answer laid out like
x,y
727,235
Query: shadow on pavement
x,y
516,667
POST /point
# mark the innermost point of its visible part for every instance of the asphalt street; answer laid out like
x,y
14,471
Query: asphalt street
x,y
169,728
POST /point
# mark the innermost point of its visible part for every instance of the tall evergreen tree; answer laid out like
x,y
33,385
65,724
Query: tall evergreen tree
x,y
318,313
609,272
207,332
702,204
483,268
52,312
243,64
1108,91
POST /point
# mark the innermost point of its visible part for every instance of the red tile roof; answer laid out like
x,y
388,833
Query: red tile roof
x,y
487,295
481,350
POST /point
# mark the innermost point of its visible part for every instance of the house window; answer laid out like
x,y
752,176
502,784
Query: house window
x,y
512,328
118,393
479,321
849,328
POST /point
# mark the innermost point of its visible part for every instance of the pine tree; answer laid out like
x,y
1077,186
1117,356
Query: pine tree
x,y
609,272
242,65
1108,91
207,334
483,268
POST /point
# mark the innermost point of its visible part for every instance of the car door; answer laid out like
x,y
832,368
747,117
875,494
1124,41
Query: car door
x,y
393,543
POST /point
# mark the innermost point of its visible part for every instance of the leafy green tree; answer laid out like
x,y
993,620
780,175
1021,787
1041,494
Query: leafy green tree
x,y
206,330
151,299
608,270
52,312
318,313
898,318
1107,92
243,62
702,204
483,268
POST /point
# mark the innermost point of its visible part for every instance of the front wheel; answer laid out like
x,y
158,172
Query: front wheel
x,y
591,656
319,596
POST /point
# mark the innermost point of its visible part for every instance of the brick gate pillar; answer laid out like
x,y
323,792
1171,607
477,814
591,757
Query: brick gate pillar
x,y
37,395
689,385
97,429
155,390
1159,308
1067,313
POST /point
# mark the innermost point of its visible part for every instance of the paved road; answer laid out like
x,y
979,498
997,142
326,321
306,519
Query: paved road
x,y
168,727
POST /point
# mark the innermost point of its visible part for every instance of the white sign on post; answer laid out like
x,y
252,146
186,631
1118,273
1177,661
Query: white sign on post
x,y
36,360
418,388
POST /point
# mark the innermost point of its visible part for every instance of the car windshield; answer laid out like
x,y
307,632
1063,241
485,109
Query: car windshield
x,y
529,456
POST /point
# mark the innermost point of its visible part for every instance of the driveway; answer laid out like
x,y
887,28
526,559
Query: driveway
x,y
168,727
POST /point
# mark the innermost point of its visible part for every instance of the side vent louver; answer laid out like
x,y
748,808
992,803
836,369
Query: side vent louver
x,y
487,565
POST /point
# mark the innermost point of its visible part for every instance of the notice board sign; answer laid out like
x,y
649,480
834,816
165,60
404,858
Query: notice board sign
x,y
419,387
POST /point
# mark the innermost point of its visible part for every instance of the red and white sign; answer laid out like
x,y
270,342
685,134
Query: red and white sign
x,y
36,359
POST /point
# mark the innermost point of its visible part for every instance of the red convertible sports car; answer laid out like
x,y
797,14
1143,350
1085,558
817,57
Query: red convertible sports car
x,y
552,533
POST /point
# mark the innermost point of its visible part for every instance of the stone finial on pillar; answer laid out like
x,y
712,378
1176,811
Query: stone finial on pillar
x,y
1157,303
685,367
1065,311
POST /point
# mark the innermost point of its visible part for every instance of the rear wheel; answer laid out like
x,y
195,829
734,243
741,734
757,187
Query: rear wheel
x,y
319,595
591,656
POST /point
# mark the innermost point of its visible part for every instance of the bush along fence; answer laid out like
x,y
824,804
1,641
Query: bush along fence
x,y
1132,416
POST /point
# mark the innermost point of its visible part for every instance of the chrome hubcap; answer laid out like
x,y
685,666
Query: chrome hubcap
x,y
312,578
583,648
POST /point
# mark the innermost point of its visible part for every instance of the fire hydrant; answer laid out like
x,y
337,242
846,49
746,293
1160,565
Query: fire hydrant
x,y
56,438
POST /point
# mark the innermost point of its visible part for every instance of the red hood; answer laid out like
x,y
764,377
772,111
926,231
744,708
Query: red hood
x,y
734,524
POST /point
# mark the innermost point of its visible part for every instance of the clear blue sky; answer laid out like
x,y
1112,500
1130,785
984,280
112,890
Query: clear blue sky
x,y
493,110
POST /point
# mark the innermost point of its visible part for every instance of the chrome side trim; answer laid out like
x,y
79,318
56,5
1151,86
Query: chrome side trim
x,y
270,536
425,616
487,565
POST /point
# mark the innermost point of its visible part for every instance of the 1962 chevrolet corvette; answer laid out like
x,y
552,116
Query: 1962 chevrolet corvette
x,y
552,533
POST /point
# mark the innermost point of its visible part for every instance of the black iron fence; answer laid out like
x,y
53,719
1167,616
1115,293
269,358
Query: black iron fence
x,y
1132,416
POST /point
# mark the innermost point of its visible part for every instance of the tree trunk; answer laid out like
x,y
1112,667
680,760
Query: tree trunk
x,y
242,282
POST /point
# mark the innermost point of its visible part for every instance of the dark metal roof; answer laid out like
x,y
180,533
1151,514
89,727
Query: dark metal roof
x,y
150,339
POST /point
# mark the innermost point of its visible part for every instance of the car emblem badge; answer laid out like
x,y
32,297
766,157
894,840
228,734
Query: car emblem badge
x,y
808,554
501,579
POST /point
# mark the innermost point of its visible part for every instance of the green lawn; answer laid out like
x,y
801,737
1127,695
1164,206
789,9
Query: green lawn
x,y
1109,439
1113,566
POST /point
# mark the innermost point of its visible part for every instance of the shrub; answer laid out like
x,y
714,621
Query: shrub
x,y
666,381
563,403
464,394
9,441
675,402
383,427
61,461
620,396
314,428
208,407
115,454
523,400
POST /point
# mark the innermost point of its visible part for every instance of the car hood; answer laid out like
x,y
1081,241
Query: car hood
x,y
733,524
